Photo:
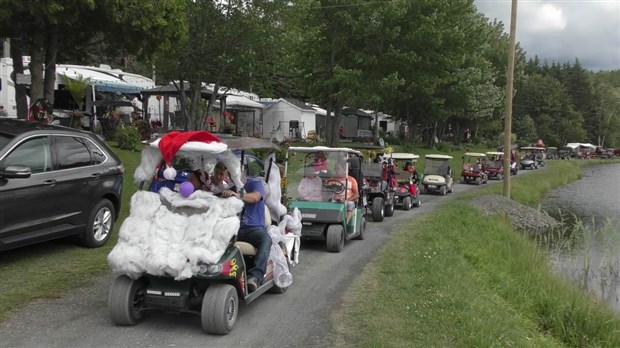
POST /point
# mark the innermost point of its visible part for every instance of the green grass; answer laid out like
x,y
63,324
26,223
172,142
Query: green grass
x,y
457,279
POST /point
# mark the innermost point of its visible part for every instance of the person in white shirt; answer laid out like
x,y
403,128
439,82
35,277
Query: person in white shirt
x,y
311,186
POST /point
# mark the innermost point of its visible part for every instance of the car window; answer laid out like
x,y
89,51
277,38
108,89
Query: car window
x,y
5,139
34,153
71,152
97,155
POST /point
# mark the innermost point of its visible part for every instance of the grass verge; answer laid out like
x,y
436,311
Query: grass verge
x,y
457,279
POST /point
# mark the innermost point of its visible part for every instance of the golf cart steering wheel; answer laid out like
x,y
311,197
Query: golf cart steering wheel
x,y
334,186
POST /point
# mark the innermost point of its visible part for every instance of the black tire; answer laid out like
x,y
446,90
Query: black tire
x,y
220,307
377,209
126,300
418,202
407,203
443,190
478,181
389,210
500,176
99,226
335,238
362,229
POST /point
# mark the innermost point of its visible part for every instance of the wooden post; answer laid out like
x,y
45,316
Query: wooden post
x,y
509,83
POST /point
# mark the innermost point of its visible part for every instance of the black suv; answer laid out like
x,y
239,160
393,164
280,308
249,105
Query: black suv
x,y
56,182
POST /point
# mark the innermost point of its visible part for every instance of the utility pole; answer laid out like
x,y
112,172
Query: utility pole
x,y
509,83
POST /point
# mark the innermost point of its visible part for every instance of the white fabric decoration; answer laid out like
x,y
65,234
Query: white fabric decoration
x,y
168,235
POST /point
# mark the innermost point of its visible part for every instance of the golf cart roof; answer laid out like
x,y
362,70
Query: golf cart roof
x,y
495,153
435,156
527,148
323,149
401,156
552,147
474,154
241,143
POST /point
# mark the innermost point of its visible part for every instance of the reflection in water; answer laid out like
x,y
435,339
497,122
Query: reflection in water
x,y
593,205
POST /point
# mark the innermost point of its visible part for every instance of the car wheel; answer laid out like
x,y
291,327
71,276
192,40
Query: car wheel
x,y
126,300
407,203
100,224
220,306
378,209
362,229
335,238
443,190
389,209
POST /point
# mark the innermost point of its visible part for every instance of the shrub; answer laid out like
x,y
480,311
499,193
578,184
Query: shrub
x,y
144,129
127,137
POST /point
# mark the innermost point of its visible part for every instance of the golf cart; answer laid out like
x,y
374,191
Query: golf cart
x,y
565,152
495,165
540,156
318,185
474,165
437,175
407,194
177,251
552,152
528,160
378,186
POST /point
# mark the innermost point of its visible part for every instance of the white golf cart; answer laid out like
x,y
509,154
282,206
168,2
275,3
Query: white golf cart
x,y
438,177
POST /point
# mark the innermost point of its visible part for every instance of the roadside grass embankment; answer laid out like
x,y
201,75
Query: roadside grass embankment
x,y
454,278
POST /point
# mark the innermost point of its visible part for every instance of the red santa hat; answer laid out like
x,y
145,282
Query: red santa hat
x,y
170,143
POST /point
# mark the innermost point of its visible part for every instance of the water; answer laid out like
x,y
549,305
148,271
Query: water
x,y
594,261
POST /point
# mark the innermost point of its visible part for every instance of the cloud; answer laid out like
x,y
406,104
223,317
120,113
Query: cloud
x,y
564,30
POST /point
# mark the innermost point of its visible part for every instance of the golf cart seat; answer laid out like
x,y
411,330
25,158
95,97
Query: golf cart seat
x,y
247,248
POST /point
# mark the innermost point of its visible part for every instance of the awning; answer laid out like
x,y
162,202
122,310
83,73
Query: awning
x,y
114,86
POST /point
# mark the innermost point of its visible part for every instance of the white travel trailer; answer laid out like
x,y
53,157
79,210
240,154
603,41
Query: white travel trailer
x,y
100,79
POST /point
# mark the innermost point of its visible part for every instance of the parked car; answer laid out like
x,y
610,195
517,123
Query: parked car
x,y
56,182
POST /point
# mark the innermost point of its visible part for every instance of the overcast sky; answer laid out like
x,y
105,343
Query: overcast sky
x,y
562,30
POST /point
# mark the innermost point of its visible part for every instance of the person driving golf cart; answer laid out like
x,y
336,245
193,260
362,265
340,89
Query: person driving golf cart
x,y
351,191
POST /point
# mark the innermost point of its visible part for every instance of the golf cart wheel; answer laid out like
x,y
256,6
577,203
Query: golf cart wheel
x,y
99,227
418,202
378,209
500,176
126,300
389,209
362,229
407,203
335,238
478,181
451,189
220,306
442,190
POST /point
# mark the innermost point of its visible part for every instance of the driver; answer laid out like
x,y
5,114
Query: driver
x,y
351,192
311,186
252,228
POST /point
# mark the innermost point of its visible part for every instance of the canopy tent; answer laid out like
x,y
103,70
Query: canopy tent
x,y
240,102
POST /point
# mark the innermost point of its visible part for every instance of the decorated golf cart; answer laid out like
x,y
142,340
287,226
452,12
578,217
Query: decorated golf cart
x,y
378,187
177,249
474,164
407,193
438,177
495,165
323,184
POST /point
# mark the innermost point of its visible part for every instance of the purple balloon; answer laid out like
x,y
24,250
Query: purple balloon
x,y
186,189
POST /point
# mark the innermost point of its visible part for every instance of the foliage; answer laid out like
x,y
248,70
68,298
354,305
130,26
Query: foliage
x,y
128,137
77,88
144,130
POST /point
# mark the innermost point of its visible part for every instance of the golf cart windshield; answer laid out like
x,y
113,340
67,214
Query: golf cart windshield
x,y
319,176
436,166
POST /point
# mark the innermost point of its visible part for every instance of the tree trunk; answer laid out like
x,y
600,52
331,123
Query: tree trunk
x,y
21,98
37,59
51,51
